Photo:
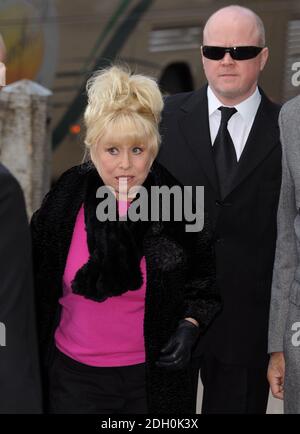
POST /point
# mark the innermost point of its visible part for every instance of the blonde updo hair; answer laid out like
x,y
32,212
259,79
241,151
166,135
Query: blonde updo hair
x,y
122,106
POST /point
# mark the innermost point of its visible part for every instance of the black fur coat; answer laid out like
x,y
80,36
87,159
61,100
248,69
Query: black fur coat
x,y
180,281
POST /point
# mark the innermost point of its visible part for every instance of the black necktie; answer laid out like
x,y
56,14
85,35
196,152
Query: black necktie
x,y
224,152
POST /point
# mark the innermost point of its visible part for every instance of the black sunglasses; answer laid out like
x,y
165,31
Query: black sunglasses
x,y
237,53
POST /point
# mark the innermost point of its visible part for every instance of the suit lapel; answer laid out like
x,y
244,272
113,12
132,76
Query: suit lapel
x,y
194,124
263,137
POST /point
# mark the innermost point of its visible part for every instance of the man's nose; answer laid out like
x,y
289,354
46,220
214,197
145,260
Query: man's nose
x,y
227,59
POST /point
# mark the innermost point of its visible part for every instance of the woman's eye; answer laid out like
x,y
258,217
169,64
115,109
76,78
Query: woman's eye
x,y
137,150
112,151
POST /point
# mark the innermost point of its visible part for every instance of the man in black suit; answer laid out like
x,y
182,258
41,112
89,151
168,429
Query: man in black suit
x,y
225,137
19,370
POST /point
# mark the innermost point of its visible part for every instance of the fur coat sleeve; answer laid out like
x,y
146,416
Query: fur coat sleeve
x,y
202,299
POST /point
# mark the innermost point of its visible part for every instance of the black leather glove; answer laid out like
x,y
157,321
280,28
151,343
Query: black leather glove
x,y
177,353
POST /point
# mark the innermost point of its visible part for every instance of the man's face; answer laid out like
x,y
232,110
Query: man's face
x,y
233,80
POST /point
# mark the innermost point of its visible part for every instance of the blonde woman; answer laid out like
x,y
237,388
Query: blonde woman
x,y
120,303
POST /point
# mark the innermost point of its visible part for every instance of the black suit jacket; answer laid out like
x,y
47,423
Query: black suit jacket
x,y
19,371
244,222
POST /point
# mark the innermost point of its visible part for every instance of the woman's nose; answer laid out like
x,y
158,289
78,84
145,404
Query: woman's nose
x,y
125,161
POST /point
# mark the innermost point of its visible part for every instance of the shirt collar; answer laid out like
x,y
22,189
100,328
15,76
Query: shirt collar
x,y
247,108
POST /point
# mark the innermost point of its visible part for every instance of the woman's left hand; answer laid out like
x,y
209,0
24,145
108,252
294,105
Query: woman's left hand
x,y
177,353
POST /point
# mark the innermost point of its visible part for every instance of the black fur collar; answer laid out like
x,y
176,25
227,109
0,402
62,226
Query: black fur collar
x,y
115,248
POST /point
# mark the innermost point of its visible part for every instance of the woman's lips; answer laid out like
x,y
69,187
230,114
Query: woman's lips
x,y
124,181
124,178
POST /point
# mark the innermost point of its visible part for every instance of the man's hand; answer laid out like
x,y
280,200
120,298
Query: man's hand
x,y
177,353
276,371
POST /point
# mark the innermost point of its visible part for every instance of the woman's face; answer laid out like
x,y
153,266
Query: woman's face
x,y
122,165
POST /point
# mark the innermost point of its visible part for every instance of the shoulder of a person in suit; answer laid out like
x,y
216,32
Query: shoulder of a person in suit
x,y
163,177
10,186
173,101
6,175
291,109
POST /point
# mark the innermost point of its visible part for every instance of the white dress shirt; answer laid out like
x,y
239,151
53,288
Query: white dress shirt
x,y
239,124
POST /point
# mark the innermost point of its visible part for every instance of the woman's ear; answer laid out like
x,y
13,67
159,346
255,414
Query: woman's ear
x,y
92,154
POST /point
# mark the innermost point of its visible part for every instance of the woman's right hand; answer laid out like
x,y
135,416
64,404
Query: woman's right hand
x,y
276,372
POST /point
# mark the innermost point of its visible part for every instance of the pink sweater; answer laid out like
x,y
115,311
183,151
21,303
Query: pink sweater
x,y
109,333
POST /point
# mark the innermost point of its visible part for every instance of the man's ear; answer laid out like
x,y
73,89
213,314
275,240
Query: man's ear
x,y
264,57
201,54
